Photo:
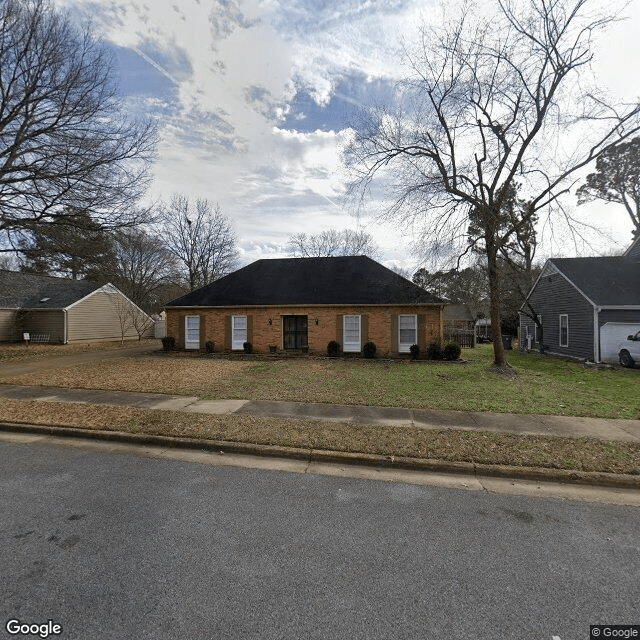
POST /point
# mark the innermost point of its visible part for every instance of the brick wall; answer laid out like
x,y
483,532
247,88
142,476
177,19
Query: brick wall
x,y
379,324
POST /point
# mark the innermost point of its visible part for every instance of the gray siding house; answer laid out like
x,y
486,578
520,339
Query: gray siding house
x,y
61,310
585,305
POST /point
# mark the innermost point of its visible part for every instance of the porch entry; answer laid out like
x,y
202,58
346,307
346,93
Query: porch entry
x,y
295,332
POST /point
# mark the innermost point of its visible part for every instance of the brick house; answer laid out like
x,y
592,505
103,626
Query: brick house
x,y
301,304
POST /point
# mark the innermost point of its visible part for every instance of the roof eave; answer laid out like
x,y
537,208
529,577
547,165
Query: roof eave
x,y
303,304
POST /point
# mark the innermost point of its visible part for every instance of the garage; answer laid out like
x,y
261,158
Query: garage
x,y
611,335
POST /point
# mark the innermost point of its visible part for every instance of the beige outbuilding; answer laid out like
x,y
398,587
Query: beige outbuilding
x,y
49,309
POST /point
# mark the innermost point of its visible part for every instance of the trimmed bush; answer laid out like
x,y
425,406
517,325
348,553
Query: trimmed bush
x,y
414,350
210,346
168,343
369,350
451,351
333,349
434,351
248,347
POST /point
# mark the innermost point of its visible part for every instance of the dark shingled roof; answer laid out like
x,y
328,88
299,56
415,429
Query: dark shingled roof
x,y
299,281
29,291
605,281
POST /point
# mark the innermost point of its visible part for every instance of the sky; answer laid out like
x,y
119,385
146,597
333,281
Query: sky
x,y
254,99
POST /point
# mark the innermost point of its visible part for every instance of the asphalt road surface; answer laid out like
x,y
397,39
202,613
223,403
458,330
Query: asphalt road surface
x,y
121,546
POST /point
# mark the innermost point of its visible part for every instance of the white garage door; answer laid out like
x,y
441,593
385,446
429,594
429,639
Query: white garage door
x,y
611,335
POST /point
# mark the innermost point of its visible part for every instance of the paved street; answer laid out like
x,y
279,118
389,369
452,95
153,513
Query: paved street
x,y
117,545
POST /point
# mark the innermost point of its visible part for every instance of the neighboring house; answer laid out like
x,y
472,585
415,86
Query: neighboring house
x,y
301,304
458,316
586,305
459,325
61,310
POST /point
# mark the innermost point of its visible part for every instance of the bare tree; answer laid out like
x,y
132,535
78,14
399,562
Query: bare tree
x,y
123,311
486,106
143,267
333,243
9,262
617,179
201,239
65,143
466,286
141,322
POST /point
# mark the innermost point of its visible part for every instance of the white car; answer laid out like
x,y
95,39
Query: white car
x,y
629,350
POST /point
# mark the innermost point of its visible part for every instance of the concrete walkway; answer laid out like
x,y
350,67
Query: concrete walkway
x,y
541,425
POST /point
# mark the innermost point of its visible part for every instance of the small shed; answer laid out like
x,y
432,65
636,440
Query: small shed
x,y
51,309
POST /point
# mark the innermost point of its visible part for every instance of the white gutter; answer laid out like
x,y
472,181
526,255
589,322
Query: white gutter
x,y
65,336
596,335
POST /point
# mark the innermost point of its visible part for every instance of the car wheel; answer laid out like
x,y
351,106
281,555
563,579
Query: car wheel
x,y
625,359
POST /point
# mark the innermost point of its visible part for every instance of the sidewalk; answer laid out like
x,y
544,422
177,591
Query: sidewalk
x,y
539,425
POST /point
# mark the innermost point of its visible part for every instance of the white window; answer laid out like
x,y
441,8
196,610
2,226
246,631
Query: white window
x,y
192,332
238,332
564,330
407,332
351,333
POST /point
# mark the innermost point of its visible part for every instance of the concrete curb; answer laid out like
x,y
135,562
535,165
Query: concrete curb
x,y
538,474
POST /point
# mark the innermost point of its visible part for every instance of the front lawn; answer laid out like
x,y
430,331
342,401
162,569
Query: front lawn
x,y
544,385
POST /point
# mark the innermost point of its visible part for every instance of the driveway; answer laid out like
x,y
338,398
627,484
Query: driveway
x,y
54,361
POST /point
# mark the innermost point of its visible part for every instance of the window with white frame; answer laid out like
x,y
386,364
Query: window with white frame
x,y
238,332
564,330
407,332
351,333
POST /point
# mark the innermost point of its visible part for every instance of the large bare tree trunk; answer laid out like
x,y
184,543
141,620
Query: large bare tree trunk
x,y
500,358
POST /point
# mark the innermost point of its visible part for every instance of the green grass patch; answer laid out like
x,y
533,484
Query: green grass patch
x,y
544,385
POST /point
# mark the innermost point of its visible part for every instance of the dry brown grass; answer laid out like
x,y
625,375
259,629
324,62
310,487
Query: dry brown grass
x,y
183,376
460,446
20,352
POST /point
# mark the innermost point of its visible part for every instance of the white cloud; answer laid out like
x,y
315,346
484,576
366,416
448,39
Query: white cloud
x,y
226,73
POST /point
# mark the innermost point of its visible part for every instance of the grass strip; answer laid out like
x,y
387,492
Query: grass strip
x,y
583,454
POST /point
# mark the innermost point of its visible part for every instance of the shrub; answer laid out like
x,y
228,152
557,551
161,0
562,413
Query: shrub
x,y
248,347
333,349
451,351
210,346
168,343
369,350
434,351
414,350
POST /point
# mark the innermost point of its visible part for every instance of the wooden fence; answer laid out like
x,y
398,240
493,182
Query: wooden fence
x,y
466,338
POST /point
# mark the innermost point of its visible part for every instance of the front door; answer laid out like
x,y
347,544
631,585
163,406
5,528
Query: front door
x,y
295,332
192,332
